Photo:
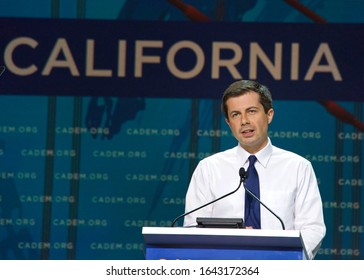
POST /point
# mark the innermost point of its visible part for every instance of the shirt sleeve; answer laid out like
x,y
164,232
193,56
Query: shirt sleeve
x,y
309,211
198,194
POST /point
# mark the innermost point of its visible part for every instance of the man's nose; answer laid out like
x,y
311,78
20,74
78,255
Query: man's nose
x,y
244,119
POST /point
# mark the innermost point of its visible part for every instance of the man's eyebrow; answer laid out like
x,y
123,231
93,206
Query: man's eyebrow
x,y
252,107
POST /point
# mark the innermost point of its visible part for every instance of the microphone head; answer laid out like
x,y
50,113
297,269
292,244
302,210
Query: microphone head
x,y
243,174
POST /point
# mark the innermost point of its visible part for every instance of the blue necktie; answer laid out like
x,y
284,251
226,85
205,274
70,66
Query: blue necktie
x,y
252,206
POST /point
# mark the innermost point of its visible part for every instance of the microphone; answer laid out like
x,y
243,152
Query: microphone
x,y
243,175
260,202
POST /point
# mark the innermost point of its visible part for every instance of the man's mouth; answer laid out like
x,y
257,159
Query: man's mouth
x,y
247,132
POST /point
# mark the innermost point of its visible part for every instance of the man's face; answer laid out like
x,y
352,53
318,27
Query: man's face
x,y
248,121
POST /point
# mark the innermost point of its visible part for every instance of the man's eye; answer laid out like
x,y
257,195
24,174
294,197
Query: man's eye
x,y
235,115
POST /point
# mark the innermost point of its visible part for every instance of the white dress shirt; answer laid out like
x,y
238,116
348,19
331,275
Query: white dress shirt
x,y
288,186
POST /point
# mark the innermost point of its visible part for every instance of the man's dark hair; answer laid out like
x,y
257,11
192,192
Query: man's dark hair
x,y
242,87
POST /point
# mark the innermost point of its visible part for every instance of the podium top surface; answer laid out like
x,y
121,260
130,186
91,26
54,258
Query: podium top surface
x,y
221,237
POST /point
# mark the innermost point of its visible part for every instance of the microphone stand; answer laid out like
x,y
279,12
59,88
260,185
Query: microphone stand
x,y
243,176
266,207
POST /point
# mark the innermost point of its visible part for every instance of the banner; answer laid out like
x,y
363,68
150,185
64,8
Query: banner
x,y
180,59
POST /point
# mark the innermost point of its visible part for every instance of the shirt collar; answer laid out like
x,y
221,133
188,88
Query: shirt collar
x,y
263,155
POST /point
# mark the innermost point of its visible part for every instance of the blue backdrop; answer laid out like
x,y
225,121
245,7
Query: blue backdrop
x,y
107,108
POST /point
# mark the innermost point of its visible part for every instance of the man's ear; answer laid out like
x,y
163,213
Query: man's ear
x,y
270,115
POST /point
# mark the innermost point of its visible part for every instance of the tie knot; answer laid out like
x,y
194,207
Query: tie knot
x,y
252,159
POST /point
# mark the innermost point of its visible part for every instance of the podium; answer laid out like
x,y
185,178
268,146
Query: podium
x,y
172,243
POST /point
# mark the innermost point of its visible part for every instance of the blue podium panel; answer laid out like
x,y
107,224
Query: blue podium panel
x,y
220,254
221,244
